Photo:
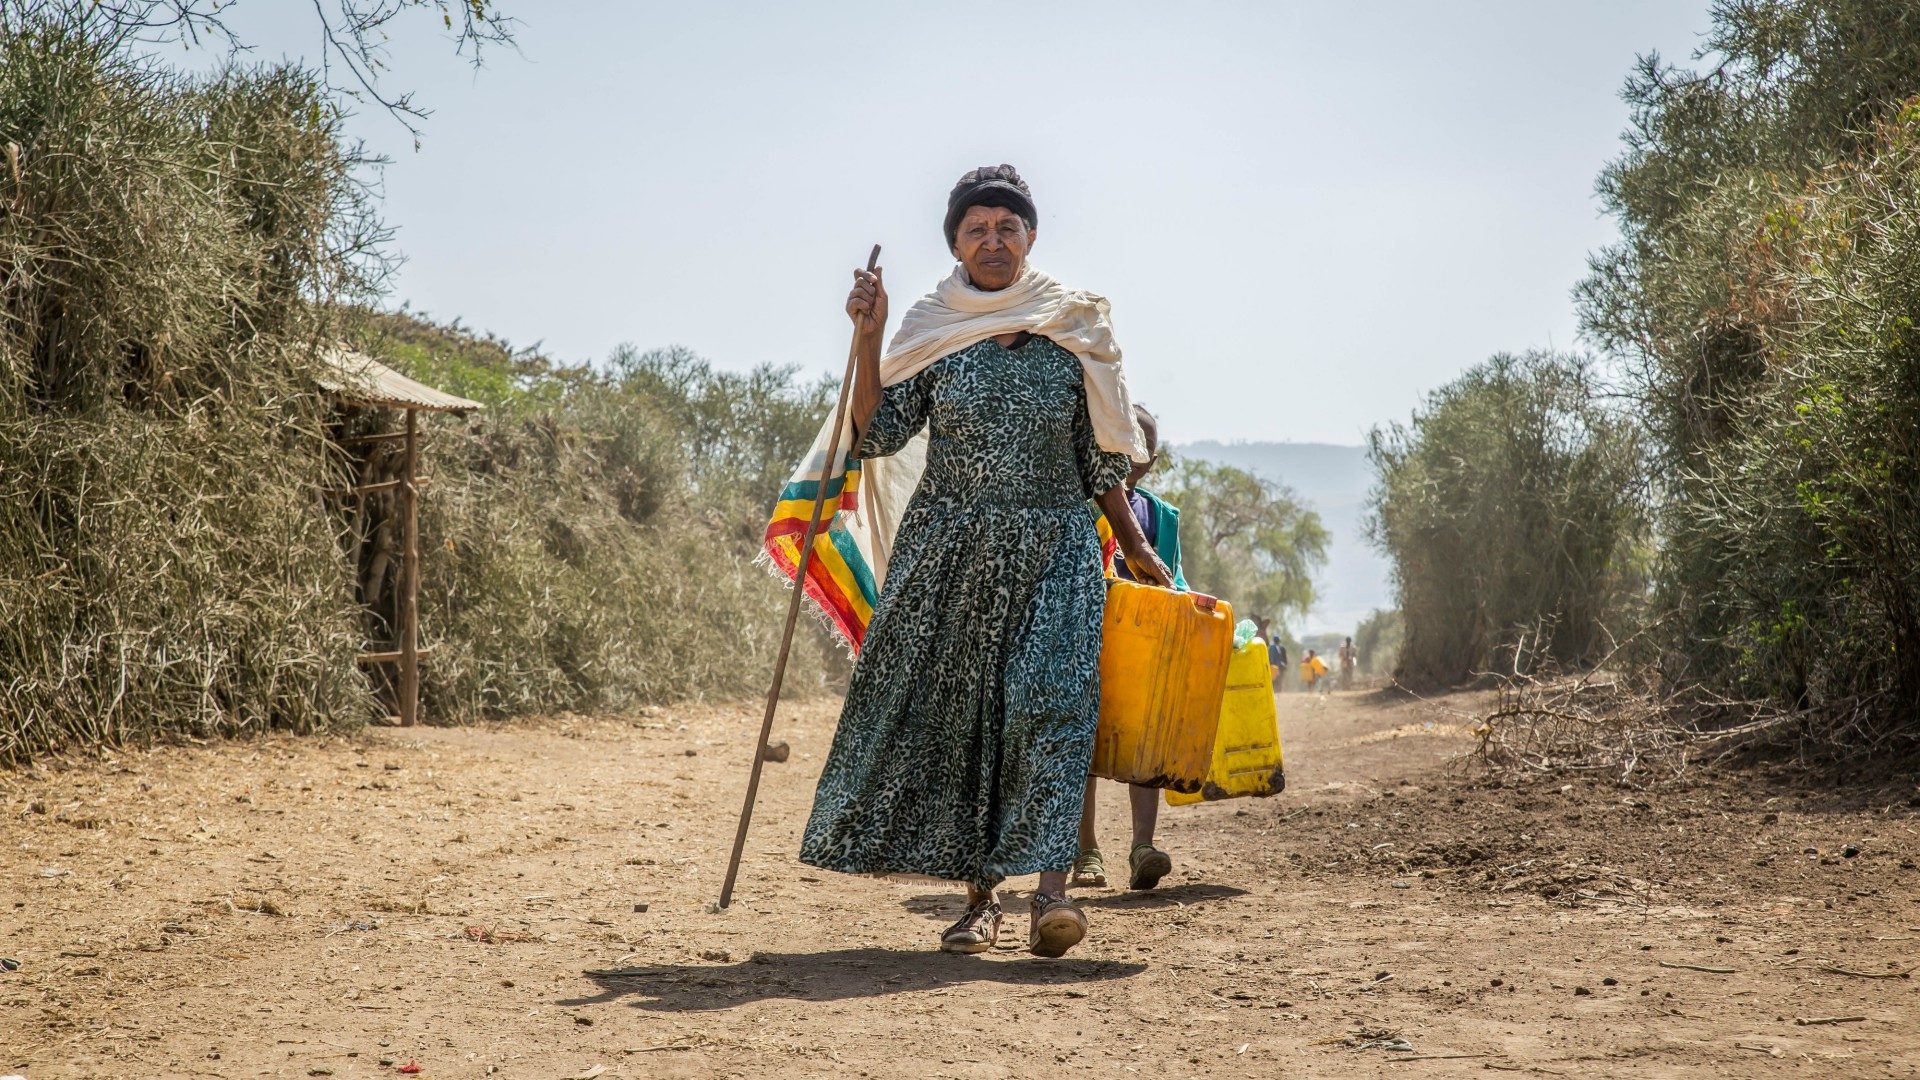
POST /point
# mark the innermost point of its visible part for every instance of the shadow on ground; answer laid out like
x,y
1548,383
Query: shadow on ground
x,y
1176,896
835,975
945,907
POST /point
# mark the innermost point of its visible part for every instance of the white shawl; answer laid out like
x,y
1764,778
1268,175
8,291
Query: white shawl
x,y
950,318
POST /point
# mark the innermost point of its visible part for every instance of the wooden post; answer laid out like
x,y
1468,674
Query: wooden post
x,y
410,577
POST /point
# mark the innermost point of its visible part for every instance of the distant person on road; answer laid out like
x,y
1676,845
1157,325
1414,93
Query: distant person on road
x,y
1264,635
1279,658
1349,657
1312,670
1160,522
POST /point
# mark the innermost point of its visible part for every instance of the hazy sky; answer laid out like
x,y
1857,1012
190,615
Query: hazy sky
x,y
1306,213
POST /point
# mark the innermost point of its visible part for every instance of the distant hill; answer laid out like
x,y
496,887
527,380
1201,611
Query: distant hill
x,y
1333,480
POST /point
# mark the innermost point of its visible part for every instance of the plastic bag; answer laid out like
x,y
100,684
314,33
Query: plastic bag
x,y
1244,632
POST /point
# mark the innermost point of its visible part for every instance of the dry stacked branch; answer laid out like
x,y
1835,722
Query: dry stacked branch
x,y
174,253
1609,724
165,564
1592,725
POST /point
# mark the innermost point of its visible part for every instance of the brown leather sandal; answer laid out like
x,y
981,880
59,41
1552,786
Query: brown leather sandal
x,y
1089,870
977,930
1058,925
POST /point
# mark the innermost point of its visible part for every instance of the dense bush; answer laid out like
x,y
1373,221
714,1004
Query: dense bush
x,y
1510,509
1762,300
591,538
1796,552
173,253
166,250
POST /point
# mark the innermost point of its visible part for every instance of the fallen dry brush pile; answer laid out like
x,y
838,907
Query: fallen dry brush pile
x,y
1609,723
1581,725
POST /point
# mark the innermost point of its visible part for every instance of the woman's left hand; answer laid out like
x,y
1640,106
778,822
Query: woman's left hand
x,y
1147,568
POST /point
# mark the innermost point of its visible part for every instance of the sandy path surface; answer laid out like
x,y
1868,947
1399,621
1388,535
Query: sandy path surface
x,y
441,897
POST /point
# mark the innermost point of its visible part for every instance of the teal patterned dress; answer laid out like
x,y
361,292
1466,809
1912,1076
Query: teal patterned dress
x,y
963,746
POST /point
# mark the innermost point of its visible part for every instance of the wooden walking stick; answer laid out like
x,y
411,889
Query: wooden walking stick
x,y
793,607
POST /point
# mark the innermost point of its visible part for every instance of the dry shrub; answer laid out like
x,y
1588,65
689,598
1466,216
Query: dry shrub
x,y
542,595
163,565
172,252
1595,725
591,539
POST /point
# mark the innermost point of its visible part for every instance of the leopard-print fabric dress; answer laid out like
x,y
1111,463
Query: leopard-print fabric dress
x,y
963,746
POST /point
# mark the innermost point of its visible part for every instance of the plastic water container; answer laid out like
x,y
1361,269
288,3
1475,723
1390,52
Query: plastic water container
x,y
1163,670
1246,746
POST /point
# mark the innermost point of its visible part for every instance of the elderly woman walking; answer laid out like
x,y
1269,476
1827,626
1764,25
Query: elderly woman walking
x,y
997,412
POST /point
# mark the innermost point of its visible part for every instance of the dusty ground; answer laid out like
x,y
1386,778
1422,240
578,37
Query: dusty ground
x,y
443,897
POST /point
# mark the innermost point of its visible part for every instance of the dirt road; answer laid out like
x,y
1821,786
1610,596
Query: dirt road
x,y
442,897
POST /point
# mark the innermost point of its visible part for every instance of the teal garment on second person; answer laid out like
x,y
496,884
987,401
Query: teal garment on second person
x,y
1162,528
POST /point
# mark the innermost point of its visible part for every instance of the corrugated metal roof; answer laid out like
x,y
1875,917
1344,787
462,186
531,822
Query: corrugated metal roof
x,y
360,376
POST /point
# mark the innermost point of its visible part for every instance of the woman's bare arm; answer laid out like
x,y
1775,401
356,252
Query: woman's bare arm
x,y
1142,560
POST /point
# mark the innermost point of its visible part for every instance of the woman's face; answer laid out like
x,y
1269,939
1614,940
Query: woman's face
x,y
992,243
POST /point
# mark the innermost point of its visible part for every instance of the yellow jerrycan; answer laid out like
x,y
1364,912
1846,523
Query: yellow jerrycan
x,y
1246,746
1163,669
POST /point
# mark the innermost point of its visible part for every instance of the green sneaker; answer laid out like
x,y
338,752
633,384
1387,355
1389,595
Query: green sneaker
x,y
1089,870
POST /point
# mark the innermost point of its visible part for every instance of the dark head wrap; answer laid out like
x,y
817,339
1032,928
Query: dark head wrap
x,y
989,185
